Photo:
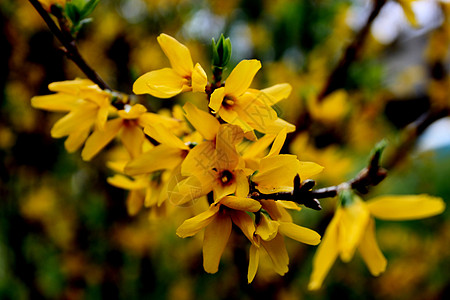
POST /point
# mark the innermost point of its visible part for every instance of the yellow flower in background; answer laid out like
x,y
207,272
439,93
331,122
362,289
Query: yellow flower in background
x,y
87,106
169,82
248,108
353,227
217,221
331,109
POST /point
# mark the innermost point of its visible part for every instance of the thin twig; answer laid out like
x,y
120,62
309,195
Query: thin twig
x,y
338,76
69,44
302,193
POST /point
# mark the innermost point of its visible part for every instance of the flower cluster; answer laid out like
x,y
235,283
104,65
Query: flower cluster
x,y
227,155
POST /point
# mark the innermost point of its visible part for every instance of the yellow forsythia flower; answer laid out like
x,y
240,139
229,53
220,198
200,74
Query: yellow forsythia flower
x,y
169,82
353,227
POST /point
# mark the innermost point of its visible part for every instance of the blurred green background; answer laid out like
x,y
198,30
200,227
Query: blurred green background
x,y
65,232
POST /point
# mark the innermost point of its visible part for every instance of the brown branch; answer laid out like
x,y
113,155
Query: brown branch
x,y
372,175
338,76
69,44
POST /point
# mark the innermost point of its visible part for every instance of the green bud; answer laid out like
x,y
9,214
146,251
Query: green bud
x,y
346,197
221,51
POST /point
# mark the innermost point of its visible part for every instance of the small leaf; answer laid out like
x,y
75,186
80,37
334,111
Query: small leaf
x,y
89,8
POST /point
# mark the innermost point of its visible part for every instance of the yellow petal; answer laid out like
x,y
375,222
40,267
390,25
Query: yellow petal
x,y
135,201
198,79
163,135
163,83
278,254
199,159
132,112
186,191
221,190
203,122
309,169
289,205
132,138
278,143
76,120
177,53
231,117
242,188
216,99
100,138
276,173
241,203
370,252
354,220
193,225
241,77
215,240
326,254
158,158
405,207
244,222
253,263
56,102
258,114
267,229
278,92
70,86
277,125
258,148
126,183
76,139
299,233
227,137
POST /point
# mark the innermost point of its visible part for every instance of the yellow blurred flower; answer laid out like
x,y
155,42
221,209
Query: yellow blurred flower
x,y
353,226
87,105
169,82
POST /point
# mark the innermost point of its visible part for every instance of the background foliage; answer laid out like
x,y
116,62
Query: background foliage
x,y
65,233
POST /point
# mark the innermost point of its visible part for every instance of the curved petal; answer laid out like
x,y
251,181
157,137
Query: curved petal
x,y
203,122
326,254
370,252
163,135
216,99
199,159
215,240
221,191
354,220
56,102
100,138
267,229
135,201
242,188
132,112
187,190
163,83
70,86
123,182
199,79
177,53
299,233
278,254
244,222
158,158
278,92
132,138
253,263
241,77
309,169
241,203
278,142
193,225
76,139
277,125
276,173
76,120
405,207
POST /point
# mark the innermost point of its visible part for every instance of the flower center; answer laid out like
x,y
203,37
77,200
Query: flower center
x,y
228,101
226,177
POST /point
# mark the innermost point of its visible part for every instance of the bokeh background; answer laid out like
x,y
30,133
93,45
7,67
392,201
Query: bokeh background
x,y
65,232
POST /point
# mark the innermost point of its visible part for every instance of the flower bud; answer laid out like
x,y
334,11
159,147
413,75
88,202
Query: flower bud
x,y
221,51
